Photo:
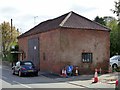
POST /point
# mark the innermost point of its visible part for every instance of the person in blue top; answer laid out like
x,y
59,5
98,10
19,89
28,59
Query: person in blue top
x,y
69,70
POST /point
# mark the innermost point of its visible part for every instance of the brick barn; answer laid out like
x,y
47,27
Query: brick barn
x,y
70,39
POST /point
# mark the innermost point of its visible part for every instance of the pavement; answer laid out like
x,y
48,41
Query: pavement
x,y
109,78
105,80
85,81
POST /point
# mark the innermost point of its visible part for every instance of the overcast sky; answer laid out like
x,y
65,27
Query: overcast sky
x,y
28,13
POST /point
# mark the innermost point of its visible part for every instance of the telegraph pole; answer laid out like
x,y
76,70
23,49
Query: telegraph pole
x,y
11,27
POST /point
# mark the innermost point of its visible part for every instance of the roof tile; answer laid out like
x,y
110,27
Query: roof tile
x,y
69,20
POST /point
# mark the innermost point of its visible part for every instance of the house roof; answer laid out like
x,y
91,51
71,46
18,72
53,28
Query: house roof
x,y
68,20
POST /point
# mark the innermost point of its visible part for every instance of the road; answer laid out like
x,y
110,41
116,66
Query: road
x,y
13,81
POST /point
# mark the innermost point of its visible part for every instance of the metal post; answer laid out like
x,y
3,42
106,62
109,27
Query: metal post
x,y
11,29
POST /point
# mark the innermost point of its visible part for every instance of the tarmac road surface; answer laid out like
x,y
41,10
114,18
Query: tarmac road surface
x,y
13,81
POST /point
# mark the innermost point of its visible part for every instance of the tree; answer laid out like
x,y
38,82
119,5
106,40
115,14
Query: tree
x,y
0,43
113,36
8,37
117,12
117,9
118,44
100,20
108,19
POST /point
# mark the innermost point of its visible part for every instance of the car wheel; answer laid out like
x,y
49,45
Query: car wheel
x,y
114,66
13,71
19,73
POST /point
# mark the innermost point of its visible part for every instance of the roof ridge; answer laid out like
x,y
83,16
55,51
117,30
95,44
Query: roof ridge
x,y
93,21
88,20
68,20
65,19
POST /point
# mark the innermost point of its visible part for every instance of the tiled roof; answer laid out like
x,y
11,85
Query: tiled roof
x,y
69,20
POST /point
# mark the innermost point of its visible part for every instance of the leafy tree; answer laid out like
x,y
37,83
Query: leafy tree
x,y
100,20
8,37
118,28
117,9
0,44
108,19
113,36
117,12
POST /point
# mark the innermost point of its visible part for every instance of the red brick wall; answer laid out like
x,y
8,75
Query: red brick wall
x,y
50,45
23,45
65,46
74,42
22,42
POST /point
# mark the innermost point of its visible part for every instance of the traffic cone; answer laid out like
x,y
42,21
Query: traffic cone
x,y
62,72
65,73
95,77
76,71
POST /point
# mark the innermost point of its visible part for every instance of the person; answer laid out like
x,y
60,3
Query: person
x,y
69,70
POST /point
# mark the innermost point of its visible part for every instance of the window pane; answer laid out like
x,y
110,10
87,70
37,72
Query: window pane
x,y
86,57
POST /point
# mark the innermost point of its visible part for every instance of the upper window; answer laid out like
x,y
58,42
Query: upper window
x,y
87,57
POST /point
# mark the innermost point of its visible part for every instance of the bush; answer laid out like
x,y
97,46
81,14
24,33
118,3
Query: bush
x,y
118,69
10,57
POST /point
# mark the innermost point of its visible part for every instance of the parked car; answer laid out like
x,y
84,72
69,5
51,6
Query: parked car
x,y
115,61
24,68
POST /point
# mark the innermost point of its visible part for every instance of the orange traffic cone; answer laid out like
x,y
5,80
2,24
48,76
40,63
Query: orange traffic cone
x,y
62,72
95,77
65,73
76,71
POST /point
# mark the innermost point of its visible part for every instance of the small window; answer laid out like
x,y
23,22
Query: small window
x,y
86,57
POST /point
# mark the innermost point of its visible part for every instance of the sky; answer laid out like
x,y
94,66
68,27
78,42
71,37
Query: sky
x,y
28,13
